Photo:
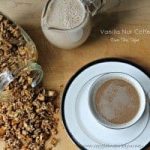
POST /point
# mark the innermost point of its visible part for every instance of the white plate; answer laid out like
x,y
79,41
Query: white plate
x,y
78,123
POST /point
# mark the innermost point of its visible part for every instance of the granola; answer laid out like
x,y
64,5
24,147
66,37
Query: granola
x,y
14,49
28,118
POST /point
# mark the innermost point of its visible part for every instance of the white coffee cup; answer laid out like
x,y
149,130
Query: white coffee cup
x,y
122,76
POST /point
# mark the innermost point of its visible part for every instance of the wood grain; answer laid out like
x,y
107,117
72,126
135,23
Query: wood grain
x,y
59,65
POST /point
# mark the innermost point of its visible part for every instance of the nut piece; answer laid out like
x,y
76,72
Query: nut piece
x,y
1,17
52,94
1,52
54,141
2,131
41,97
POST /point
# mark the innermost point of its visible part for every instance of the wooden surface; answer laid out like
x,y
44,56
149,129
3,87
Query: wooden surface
x,y
59,65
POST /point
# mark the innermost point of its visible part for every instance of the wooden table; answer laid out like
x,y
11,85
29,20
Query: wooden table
x,y
59,65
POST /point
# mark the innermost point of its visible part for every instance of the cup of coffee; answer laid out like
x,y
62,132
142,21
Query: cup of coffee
x,y
117,100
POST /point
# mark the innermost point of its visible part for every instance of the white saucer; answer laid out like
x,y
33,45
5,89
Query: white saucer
x,y
84,129
88,123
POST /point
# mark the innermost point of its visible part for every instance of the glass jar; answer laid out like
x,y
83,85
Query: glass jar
x,y
74,37
13,70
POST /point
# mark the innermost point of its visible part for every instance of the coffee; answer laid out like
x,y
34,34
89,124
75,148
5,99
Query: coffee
x,y
117,101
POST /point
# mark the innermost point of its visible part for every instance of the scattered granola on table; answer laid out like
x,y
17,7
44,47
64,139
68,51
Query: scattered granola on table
x,y
28,120
29,117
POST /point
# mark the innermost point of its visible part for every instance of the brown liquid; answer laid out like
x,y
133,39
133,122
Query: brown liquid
x,y
117,101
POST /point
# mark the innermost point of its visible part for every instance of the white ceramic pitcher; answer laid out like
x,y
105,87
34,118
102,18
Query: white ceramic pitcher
x,y
74,37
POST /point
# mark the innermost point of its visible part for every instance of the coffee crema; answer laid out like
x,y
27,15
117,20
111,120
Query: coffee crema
x,y
117,101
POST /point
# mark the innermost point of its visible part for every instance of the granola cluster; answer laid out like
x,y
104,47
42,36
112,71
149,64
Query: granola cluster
x,y
14,49
29,117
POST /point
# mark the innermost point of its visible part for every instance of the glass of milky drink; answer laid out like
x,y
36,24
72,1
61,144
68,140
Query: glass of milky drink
x,y
117,100
67,23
